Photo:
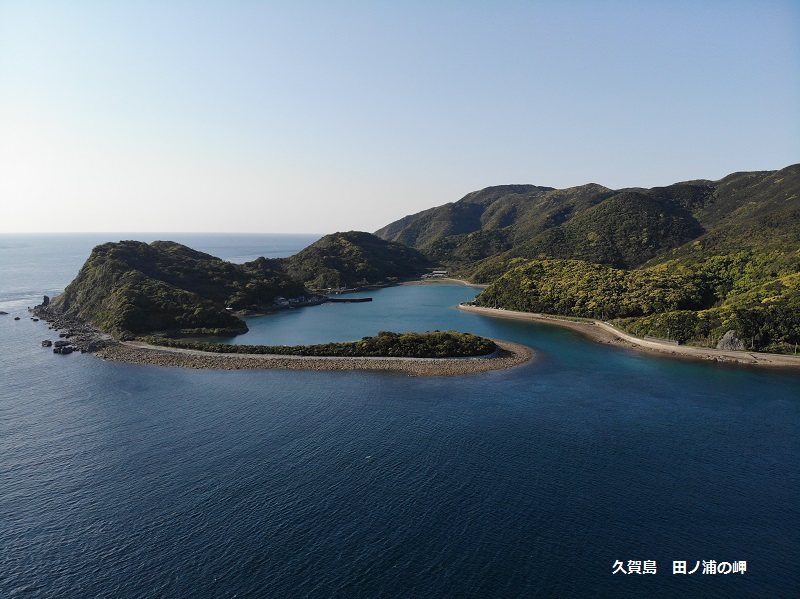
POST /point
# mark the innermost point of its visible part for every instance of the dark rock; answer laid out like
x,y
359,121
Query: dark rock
x,y
1,312
47,343
45,301
16,318
95,345
82,336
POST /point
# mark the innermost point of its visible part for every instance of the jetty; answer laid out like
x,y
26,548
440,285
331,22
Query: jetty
x,y
348,300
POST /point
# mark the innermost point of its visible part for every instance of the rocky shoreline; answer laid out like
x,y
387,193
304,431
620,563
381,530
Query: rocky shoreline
x,y
86,338
81,335
506,356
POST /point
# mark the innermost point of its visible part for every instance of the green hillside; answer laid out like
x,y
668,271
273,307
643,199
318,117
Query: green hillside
x,y
132,287
482,235
352,259
128,288
698,304
689,261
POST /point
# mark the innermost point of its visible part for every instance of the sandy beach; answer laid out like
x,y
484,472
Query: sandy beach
x,y
602,332
508,355
445,281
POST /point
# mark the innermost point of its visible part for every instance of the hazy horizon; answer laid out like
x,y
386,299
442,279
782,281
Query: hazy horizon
x,y
310,117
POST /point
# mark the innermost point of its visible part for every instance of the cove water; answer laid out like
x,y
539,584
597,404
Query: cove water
x,y
120,480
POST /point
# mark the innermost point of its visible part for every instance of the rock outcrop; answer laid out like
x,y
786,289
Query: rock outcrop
x,y
730,342
82,336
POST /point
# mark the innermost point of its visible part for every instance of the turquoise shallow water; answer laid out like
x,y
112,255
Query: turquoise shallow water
x,y
124,480
404,308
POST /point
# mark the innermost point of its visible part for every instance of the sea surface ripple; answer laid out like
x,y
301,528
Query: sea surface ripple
x,y
120,480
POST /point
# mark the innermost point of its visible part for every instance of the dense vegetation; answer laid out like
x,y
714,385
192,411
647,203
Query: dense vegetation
x,y
130,287
689,261
484,233
352,259
754,295
437,344
579,288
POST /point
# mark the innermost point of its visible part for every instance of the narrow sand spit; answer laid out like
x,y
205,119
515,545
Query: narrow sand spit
x,y
603,332
507,355
445,281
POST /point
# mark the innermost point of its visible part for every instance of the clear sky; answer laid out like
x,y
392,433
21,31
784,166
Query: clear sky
x,y
333,115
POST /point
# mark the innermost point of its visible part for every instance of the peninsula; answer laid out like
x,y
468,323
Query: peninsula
x,y
702,266
134,302
131,288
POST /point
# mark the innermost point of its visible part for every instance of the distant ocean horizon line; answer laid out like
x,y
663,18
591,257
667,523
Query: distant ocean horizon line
x,y
155,233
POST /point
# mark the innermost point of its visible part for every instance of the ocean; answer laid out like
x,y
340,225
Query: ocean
x,y
120,480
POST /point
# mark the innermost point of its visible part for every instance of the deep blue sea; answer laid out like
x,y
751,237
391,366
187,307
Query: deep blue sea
x,y
120,480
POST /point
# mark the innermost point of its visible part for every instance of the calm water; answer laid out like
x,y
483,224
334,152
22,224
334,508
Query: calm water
x,y
131,481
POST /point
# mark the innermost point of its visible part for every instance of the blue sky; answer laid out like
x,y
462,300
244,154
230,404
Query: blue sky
x,y
322,116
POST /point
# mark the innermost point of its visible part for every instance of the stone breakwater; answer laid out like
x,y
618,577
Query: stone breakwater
x,y
506,356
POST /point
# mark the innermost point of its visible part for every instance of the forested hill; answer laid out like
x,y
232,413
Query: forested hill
x,y
130,287
482,234
353,258
691,262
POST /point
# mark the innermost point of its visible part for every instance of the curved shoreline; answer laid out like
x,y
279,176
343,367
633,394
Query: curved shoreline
x,y
445,281
507,356
602,332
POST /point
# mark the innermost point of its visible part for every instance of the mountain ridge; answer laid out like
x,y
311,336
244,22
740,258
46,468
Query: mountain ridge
x,y
697,260
693,261
523,221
